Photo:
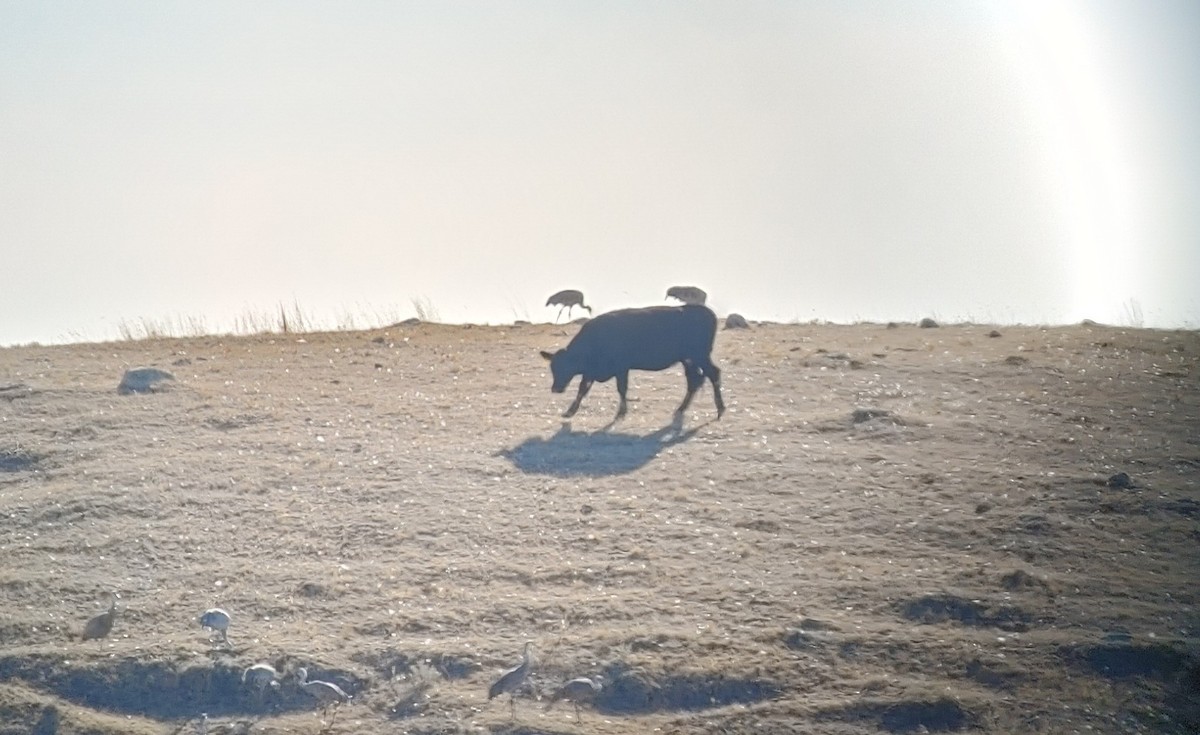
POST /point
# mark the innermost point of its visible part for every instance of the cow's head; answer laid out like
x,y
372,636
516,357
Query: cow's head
x,y
560,369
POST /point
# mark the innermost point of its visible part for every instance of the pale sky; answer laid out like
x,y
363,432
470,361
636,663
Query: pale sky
x,y
842,160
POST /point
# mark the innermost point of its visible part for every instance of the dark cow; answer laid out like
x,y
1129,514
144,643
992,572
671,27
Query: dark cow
x,y
654,338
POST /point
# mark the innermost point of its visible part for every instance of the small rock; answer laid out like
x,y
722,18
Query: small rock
x,y
927,323
1120,481
736,321
143,380
863,415
1015,360
993,334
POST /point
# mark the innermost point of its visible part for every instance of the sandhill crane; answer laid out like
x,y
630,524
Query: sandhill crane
x,y
568,300
325,692
512,679
577,691
101,625
261,676
687,294
218,620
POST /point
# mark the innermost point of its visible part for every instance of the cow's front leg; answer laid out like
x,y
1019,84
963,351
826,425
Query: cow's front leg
x,y
622,389
584,386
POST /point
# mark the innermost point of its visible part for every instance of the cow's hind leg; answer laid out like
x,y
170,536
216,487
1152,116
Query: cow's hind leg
x,y
584,386
695,379
713,373
622,389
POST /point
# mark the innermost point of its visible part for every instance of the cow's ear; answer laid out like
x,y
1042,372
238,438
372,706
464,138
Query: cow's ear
x,y
547,355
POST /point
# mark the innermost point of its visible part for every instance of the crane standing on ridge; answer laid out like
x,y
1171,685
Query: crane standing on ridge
x,y
568,300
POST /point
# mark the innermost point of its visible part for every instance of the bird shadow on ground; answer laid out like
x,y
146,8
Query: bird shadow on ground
x,y
570,453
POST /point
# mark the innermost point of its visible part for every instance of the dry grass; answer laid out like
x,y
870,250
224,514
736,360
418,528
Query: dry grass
x,y
890,529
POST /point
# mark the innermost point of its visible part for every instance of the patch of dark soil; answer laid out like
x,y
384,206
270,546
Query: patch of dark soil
x,y
47,721
1183,702
1181,506
392,663
17,461
932,609
759,524
1034,524
312,590
16,716
1019,579
163,689
15,390
1126,660
864,415
632,692
995,675
937,715
232,423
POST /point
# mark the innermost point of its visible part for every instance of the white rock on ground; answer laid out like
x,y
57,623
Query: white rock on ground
x,y
143,380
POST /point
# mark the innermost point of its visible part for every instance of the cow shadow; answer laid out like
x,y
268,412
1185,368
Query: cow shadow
x,y
570,453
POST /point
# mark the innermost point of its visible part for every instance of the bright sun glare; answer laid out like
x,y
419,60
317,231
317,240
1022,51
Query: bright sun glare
x,y
1086,151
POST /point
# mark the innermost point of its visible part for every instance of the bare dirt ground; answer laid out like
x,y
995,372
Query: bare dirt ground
x,y
891,530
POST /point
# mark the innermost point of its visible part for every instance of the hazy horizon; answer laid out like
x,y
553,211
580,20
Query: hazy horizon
x,y
987,161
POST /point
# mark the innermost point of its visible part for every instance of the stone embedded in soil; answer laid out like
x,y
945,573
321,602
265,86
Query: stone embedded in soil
x,y
736,321
143,380
1120,481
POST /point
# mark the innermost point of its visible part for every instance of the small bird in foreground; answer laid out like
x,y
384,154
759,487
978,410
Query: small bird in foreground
x,y
577,691
218,620
512,679
101,625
